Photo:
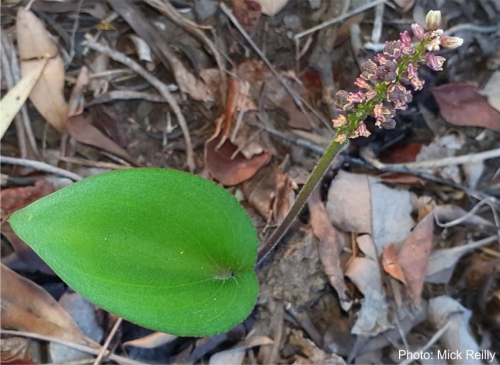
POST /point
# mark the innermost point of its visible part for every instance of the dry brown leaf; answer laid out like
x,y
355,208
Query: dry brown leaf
x,y
36,43
248,14
461,104
331,244
414,256
236,354
27,307
13,199
231,171
82,131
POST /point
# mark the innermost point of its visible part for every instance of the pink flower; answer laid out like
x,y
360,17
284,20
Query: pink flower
x,y
406,45
361,131
363,84
339,121
356,97
380,59
434,62
413,79
369,70
381,113
418,31
399,96
392,49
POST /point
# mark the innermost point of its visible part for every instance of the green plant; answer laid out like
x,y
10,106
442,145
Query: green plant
x,y
162,248
176,253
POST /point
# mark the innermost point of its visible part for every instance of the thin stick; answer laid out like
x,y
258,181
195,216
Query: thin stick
x,y
99,164
447,161
160,86
337,19
42,166
76,346
108,340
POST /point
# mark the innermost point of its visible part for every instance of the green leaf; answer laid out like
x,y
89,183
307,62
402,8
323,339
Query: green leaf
x,y
164,249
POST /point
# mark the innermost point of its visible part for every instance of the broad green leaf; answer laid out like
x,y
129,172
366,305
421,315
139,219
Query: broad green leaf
x,y
164,249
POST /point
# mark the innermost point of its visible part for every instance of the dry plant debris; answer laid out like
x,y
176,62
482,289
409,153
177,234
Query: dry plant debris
x,y
396,258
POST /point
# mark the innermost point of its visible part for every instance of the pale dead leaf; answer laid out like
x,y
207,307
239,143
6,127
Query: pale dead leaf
x,y
372,318
16,97
236,354
492,90
272,7
359,203
142,48
449,212
35,43
151,341
18,350
27,307
457,338
405,5
442,262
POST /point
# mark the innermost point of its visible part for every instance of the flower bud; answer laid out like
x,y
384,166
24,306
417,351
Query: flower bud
x,y
418,31
361,131
451,42
433,19
340,138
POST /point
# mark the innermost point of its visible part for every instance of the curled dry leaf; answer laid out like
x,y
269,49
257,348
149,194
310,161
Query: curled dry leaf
x,y
151,341
390,263
35,43
272,7
27,307
231,171
461,104
331,244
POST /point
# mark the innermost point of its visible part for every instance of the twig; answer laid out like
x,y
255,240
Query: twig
x,y
337,19
160,86
42,166
472,28
99,164
126,95
107,342
76,346
296,98
447,161
372,163
377,24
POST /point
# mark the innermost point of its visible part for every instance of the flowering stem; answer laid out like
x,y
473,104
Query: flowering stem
x,y
313,180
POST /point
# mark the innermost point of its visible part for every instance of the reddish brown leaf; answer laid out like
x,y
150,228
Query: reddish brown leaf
x,y
390,263
231,171
406,153
13,199
82,131
414,256
460,104
248,14
16,351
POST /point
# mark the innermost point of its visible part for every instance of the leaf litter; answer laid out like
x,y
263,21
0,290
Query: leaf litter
x,y
373,277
